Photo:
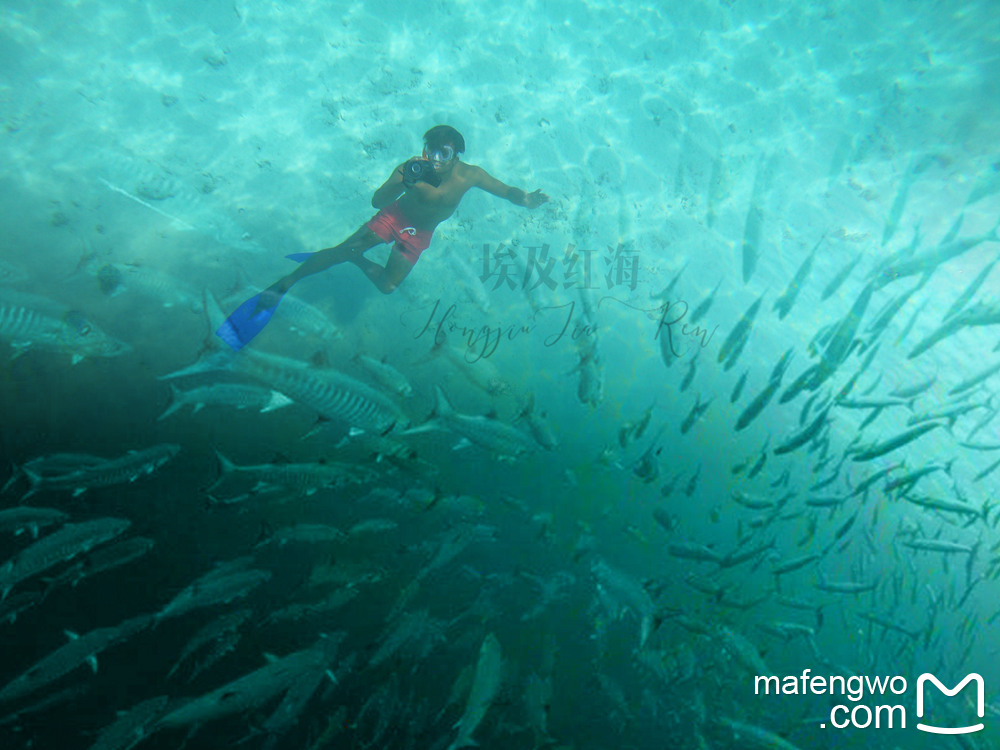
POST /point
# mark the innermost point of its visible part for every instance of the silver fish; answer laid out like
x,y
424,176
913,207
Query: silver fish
x,y
237,395
329,393
786,301
224,583
305,478
897,441
27,322
500,438
590,387
29,518
102,559
485,686
60,546
731,348
252,690
751,736
804,435
629,594
839,278
540,429
132,726
150,282
79,650
214,630
103,473
763,398
385,375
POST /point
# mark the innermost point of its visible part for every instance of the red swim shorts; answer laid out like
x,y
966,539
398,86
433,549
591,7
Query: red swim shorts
x,y
391,224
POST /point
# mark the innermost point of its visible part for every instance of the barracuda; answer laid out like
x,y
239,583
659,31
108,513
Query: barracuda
x,y
947,506
786,301
763,398
845,587
696,413
30,322
805,435
733,346
331,394
80,650
307,478
485,686
60,546
385,375
628,594
898,441
24,517
225,583
940,545
256,688
104,472
236,395
500,438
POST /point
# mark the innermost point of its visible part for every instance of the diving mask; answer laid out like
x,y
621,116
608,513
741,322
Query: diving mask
x,y
441,154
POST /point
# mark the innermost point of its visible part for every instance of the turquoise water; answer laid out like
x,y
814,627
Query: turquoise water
x,y
154,157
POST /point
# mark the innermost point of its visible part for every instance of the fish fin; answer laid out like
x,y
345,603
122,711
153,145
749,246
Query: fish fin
x,y
92,663
463,443
299,257
276,401
432,423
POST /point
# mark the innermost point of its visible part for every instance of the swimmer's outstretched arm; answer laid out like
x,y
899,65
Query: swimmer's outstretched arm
x,y
515,195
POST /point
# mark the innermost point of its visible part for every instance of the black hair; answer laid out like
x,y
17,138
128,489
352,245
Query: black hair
x,y
444,135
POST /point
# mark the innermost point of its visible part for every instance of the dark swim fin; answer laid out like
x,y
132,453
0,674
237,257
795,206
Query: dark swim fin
x,y
245,323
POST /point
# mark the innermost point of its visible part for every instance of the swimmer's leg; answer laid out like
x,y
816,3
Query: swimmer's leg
x,y
391,276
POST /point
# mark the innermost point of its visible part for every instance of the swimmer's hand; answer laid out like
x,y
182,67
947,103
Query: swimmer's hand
x,y
535,199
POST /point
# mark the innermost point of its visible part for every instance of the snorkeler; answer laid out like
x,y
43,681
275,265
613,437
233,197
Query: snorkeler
x,y
419,195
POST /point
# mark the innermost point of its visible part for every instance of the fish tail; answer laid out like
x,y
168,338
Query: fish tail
x,y
176,402
15,472
226,467
442,406
529,408
34,478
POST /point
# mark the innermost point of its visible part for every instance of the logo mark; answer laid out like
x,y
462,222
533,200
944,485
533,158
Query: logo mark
x,y
980,702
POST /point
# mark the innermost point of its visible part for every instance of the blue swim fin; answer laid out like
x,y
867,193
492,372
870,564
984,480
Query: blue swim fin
x,y
245,323
299,257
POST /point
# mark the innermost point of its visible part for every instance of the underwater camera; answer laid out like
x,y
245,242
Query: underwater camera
x,y
420,170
